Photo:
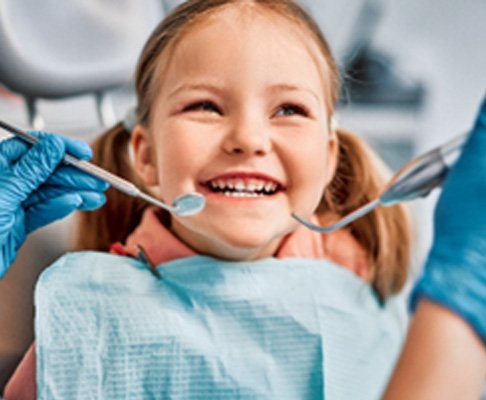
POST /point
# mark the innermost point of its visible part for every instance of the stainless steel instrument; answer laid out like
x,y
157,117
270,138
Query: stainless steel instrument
x,y
415,179
185,205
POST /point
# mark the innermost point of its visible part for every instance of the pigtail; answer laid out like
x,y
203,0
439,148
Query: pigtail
x,y
384,233
122,213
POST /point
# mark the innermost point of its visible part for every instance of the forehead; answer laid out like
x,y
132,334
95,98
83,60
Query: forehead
x,y
247,28
246,13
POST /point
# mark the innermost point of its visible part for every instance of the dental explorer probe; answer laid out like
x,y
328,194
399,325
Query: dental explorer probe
x,y
185,205
415,179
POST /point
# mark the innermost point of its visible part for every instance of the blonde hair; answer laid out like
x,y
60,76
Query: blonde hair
x,y
384,233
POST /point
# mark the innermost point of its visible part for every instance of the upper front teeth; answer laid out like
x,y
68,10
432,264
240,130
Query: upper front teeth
x,y
240,186
250,186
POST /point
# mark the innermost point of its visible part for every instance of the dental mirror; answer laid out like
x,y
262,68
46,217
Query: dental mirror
x,y
189,204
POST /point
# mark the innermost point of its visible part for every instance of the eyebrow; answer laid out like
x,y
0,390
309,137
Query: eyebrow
x,y
215,89
196,86
292,88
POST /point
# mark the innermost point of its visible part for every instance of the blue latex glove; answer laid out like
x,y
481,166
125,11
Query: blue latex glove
x,y
455,271
36,190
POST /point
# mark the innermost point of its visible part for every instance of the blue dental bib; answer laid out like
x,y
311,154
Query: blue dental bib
x,y
106,328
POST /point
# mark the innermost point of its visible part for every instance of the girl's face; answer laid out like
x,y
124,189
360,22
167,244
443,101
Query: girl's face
x,y
240,117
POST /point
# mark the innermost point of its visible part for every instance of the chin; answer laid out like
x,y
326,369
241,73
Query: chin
x,y
235,239
251,245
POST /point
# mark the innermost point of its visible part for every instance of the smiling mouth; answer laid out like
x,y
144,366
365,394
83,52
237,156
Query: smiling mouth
x,y
247,187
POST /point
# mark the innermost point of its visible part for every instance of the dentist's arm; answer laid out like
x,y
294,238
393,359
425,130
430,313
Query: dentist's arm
x,y
443,358
445,353
35,189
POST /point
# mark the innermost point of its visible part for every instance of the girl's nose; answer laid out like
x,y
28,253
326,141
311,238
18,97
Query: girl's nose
x,y
249,138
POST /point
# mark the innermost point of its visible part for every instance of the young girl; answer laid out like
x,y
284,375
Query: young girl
x,y
236,101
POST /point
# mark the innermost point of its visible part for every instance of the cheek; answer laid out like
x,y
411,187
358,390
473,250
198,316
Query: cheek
x,y
308,170
174,163
311,155
180,153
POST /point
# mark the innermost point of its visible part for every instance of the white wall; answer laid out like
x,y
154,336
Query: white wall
x,y
444,42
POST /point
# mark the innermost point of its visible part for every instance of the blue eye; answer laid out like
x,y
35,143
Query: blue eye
x,y
206,106
288,110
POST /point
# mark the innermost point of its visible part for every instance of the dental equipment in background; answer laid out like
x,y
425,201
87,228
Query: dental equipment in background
x,y
185,205
415,179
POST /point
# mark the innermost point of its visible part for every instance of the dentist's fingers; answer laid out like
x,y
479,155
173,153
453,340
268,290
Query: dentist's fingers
x,y
70,177
56,208
91,199
76,148
35,167
11,150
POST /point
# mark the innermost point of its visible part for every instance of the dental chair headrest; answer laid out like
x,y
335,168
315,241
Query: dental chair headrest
x,y
54,49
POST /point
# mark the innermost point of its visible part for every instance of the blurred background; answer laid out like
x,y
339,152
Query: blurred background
x,y
414,73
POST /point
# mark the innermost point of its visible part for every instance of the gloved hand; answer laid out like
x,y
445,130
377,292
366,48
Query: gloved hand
x,y
35,189
455,270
